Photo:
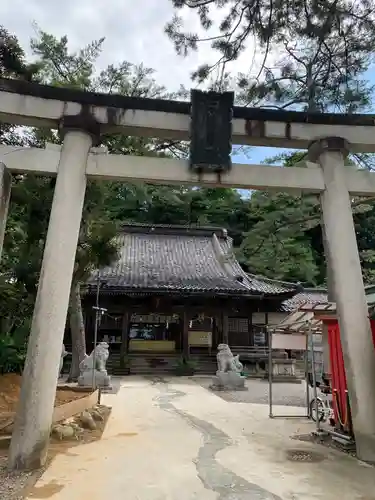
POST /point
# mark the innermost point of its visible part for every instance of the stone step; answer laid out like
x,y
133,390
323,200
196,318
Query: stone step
x,y
146,363
134,355
147,370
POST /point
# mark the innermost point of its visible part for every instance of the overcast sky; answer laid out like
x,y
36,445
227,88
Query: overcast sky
x,y
134,31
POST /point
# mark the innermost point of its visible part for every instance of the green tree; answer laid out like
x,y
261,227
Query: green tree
x,y
16,302
12,58
277,245
323,50
12,65
59,67
285,240
96,245
328,31
107,205
96,248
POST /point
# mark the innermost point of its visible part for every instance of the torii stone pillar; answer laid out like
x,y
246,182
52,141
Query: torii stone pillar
x,y
348,289
29,445
5,187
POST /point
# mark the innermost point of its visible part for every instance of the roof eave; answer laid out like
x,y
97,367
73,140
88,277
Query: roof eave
x,y
280,296
91,290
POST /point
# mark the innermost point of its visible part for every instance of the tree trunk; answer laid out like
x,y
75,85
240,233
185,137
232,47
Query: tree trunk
x,y
77,329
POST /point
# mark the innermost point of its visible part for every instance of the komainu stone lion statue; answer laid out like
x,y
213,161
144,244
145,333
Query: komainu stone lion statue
x,y
226,362
86,367
229,374
101,356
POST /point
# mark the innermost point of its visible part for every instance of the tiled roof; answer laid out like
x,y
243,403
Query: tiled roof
x,y
308,296
270,286
317,299
174,258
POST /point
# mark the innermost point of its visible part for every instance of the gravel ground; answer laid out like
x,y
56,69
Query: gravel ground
x,y
15,485
326,440
12,484
282,394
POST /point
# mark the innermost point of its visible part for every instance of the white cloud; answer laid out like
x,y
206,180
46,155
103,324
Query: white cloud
x,y
134,31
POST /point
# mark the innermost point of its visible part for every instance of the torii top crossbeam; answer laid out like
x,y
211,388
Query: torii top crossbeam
x,y
32,104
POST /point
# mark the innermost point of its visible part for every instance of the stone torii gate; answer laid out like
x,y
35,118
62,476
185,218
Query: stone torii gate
x,y
81,118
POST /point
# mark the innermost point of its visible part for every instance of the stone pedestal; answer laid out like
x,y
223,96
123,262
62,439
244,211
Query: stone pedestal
x,y
228,381
102,379
284,370
285,367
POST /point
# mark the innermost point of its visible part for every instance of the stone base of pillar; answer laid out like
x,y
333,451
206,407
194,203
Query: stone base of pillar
x,y
365,446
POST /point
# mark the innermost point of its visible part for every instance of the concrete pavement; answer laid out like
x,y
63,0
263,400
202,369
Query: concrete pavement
x,y
178,441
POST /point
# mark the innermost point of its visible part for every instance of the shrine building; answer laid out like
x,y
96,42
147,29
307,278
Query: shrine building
x,y
179,291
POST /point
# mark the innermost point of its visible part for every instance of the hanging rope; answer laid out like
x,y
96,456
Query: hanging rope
x,y
343,422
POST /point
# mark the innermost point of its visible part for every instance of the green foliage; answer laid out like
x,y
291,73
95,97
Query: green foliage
x,y
364,225
13,350
321,47
180,205
312,77
277,245
12,58
97,247
13,65
16,304
61,68
285,240
12,356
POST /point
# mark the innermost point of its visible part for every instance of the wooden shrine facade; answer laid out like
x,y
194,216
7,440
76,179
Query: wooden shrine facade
x,y
179,324
179,289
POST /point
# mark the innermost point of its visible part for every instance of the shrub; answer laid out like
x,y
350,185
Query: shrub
x,y
185,366
12,353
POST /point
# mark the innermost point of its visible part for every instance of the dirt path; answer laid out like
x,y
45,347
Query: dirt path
x,y
174,440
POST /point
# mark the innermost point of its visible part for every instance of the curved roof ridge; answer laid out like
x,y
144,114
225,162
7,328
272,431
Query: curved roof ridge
x,y
227,259
176,229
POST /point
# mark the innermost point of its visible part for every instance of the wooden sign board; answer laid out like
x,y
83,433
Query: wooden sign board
x,y
200,338
287,341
